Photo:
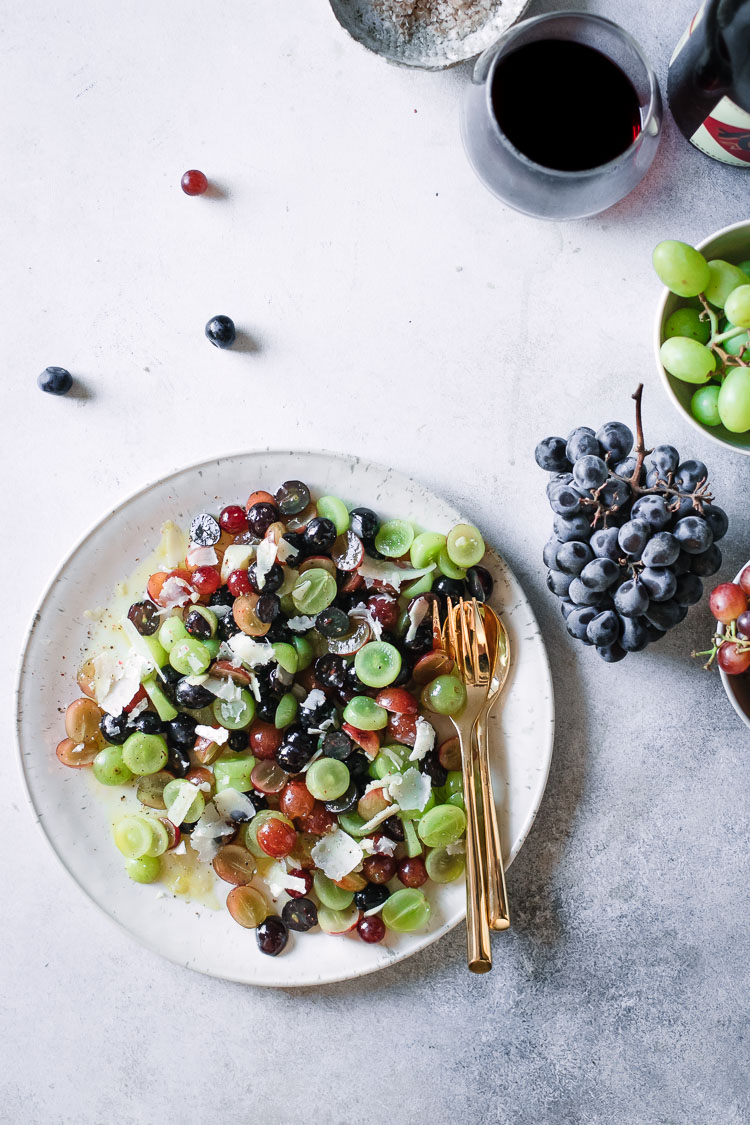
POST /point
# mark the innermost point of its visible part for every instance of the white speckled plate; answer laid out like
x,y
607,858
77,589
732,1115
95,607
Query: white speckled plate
x,y
75,813
421,45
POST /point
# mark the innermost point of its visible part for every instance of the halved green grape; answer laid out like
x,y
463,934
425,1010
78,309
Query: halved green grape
x,y
738,306
150,790
426,548
465,545
335,510
213,644
171,631
109,768
133,836
445,695
406,910
189,657
194,810
734,400
313,591
235,714
377,664
233,772
286,712
328,779
705,405
687,322
144,753
411,838
443,866
454,783
687,359
247,906
724,279
305,653
156,652
160,838
364,714
394,538
681,268
422,585
447,567
164,708
391,759
145,869
352,823
286,656
335,898
457,799
443,825
337,921
288,608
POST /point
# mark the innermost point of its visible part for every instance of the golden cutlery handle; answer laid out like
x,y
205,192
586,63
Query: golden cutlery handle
x,y
498,912
479,952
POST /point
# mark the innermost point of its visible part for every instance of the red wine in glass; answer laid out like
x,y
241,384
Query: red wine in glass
x,y
562,116
565,105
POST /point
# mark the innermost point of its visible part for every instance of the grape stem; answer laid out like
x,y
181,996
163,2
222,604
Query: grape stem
x,y
729,635
700,496
718,338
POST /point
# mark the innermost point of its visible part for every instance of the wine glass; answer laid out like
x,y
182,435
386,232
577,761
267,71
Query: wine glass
x,y
552,193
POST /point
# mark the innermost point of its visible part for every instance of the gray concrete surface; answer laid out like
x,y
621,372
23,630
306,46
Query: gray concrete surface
x,y
389,296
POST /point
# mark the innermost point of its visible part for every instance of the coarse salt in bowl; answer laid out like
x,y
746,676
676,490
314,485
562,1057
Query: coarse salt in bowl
x,y
429,34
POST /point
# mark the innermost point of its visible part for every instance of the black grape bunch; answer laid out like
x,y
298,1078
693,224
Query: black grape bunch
x,y
635,532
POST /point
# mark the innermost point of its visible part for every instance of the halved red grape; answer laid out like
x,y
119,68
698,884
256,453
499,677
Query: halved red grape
x,y
268,777
398,700
384,608
238,583
298,873
234,864
296,799
371,929
319,822
379,868
265,740
206,579
412,871
232,519
227,671
276,838
367,739
431,665
727,602
402,728
449,754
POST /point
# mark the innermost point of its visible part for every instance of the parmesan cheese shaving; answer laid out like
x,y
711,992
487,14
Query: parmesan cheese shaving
x,y
411,789
300,624
278,880
264,560
230,801
337,855
222,689
378,570
251,652
379,818
424,740
219,735
236,557
175,593
286,551
417,614
201,556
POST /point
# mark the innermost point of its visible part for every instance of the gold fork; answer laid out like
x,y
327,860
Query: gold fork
x,y
479,952
490,638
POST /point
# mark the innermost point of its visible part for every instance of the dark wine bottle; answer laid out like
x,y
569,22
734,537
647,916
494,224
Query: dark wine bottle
x,y
709,81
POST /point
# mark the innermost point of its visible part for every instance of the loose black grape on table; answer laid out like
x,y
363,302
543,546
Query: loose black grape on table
x,y
634,534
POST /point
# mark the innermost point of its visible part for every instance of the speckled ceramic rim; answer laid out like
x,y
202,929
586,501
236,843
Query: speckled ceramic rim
x,y
279,982
705,245
727,680
654,96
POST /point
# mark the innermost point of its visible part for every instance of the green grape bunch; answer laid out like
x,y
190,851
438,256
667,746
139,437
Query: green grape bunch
x,y
707,340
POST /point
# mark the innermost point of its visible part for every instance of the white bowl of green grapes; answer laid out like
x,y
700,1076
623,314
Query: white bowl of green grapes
x,y
703,332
